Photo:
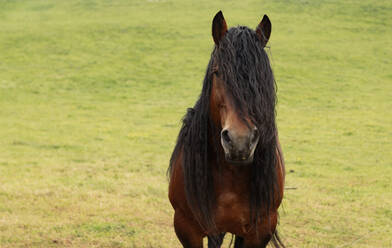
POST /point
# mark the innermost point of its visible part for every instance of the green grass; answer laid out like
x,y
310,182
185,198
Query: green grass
x,y
92,93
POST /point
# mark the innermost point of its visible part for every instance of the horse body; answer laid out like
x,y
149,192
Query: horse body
x,y
227,170
232,206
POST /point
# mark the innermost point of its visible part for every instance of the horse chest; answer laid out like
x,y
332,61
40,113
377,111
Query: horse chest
x,y
232,213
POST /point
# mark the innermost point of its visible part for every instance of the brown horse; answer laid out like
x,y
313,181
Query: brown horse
x,y
227,170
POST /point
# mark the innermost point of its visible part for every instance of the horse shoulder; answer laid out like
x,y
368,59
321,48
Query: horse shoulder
x,y
176,192
280,166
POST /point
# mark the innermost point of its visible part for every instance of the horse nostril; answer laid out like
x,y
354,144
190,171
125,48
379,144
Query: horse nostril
x,y
225,136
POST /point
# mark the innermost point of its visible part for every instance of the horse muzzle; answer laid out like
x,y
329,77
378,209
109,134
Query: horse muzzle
x,y
239,149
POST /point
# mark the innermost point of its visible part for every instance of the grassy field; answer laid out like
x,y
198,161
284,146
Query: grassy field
x,y
92,93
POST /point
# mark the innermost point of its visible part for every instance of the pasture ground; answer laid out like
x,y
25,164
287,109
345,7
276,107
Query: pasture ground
x,y
92,93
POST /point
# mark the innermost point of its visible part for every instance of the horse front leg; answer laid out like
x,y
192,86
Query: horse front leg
x,y
261,242
187,230
216,241
238,242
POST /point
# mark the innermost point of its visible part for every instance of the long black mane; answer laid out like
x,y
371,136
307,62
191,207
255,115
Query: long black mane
x,y
244,66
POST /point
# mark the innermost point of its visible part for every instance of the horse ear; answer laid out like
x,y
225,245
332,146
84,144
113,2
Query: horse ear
x,y
219,27
263,30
